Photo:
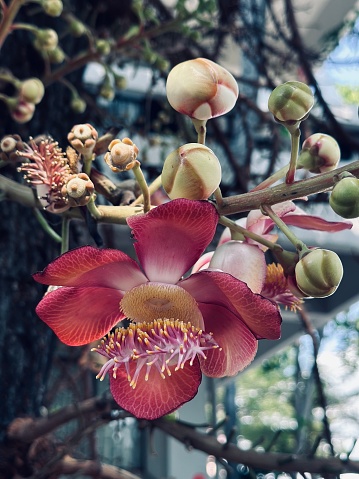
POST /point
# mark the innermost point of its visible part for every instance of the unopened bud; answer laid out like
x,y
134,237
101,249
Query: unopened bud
x,y
345,197
53,8
291,101
56,56
32,90
107,91
320,153
201,89
9,146
192,171
78,190
103,46
77,104
23,111
122,155
319,273
46,40
83,138
76,28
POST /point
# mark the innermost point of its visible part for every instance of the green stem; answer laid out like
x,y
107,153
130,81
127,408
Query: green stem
x,y
65,234
248,234
46,227
278,175
218,196
154,186
143,185
94,211
8,18
295,137
200,127
297,243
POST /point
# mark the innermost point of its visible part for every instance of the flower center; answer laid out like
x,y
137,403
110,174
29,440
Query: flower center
x,y
276,288
151,301
161,344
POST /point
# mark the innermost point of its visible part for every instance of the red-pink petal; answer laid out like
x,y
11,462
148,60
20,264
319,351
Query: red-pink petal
x,y
156,397
80,315
309,222
88,266
261,315
238,345
171,237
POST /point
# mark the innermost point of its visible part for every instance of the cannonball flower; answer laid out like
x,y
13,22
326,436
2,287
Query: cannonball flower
x,y
207,323
201,89
320,153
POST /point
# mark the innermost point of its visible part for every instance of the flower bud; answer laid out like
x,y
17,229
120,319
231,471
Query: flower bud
x,y
345,197
56,56
107,91
22,111
122,155
319,273
103,46
77,104
320,153
291,101
76,28
32,90
192,171
78,190
201,89
9,145
83,138
46,40
53,8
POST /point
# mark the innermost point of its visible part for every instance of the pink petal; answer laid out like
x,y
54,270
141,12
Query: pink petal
x,y
243,261
88,266
238,344
80,315
171,237
203,262
261,315
262,224
309,222
156,397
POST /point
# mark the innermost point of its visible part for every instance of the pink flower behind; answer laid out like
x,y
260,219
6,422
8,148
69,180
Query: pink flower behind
x,y
209,321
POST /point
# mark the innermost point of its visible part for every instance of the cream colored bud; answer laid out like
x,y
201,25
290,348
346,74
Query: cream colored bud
x,y
83,138
319,273
291,101
345,197
53,8
32,90
122,155
78,190
8,144
78,105
201,89
320,153
56,56
103,46
46,40
192,171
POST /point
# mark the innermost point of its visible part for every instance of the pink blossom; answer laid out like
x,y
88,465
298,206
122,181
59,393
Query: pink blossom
x,y
208,322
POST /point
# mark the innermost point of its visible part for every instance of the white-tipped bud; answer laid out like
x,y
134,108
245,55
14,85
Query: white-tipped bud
x,y
201,89
192,171
320,153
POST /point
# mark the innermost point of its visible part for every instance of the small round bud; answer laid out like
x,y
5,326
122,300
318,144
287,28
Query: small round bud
x,y
103,46
291,101
46,40
32,90
9,147
120,82
107,91
56,56
345,197
78,190
201,89
83,138
23,111
192,171
319,273
122,155
320,153
77,104
53,8
8,144
77,28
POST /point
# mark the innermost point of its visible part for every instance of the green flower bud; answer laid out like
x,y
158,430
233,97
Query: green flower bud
x,y
53,8
32,90
103,46
56,56
192,171
345,197
320,153
78,105
319,273
76,28
291,101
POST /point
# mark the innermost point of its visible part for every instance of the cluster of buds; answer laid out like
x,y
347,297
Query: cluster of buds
x,y
122,155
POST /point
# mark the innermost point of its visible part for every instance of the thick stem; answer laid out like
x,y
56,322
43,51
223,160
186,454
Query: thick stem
x,y
200,127
295,136
154,186
144,187
8,18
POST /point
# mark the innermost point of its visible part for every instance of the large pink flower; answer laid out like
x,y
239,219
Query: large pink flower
x,y
209,321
